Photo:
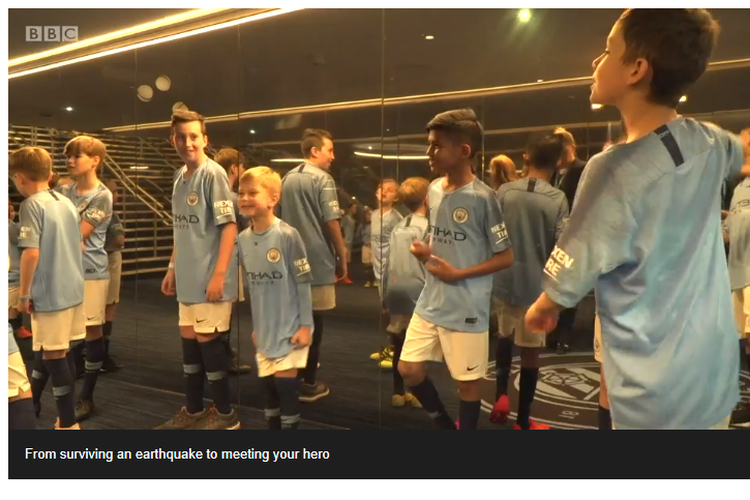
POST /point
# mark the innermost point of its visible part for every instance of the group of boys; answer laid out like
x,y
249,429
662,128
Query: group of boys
x,y
66,244
448,266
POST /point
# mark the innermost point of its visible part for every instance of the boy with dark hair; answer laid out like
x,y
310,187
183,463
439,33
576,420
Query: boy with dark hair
x,y
311,206
627,226
278,277
404,276
114,242
383,220
203,275
233,162
535,214
467,244
51,286
94,203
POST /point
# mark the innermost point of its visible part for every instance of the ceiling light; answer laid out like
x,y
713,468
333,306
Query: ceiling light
x,y
596,106
392,157
369,147
138,167
68,109
252,131
429,37
683,98
524,15
539,81
133,46
288,160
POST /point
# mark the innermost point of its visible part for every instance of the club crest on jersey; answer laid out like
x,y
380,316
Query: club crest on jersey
x,y
82,206
192,199
460,215
273,255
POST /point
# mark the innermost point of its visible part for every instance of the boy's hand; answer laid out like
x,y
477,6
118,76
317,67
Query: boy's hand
x,y
215,290
302,338
442,270
540,320
167,284
421,251
24,306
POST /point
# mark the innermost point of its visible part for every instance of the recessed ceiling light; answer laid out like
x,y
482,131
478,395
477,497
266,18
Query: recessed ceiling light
x,y
369,147
68,109
252,131
596,106
524,15
683,98
539,81
429,37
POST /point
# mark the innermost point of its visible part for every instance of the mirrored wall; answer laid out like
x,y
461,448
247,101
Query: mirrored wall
x,y
373,79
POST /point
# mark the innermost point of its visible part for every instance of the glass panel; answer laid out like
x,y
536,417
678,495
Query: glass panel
x,y
280,91
48,109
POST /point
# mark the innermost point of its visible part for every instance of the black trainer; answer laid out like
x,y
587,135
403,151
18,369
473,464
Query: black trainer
x,y
84,409
309,393
110,365
741,416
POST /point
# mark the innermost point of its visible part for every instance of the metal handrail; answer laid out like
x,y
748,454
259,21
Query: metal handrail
x,y
141,194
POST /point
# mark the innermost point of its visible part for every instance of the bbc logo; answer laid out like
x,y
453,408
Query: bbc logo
x,y
53,34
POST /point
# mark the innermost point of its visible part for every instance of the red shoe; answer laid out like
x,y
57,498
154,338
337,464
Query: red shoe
x,y
457,426
23,333
347,281
533,426
500,411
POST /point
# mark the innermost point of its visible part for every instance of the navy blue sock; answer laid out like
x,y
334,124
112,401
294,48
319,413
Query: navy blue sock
x,y
94,361
273,404
62,388
529,377
21,415
605,419
430,399
503,361
468,415
39,379
216,361
192,367
288,391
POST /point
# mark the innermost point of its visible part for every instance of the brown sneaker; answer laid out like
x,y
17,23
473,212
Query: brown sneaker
x,y
215,421
181,421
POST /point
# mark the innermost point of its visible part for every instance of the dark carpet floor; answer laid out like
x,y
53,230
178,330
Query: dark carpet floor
x,y
148,390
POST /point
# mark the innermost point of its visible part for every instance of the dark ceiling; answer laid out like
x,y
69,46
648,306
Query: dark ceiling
x,y
323,56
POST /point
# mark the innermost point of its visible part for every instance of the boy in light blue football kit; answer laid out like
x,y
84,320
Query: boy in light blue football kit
x,y
535,215
737,234
404,276
233,162
383,220
468,243
311,206
203,275
278,279
22,335
645,232
51,286
94,204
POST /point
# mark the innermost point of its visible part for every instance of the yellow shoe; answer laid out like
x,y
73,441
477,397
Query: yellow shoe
x,y
409,398
397,401
375,356
74,427
386,364
368,284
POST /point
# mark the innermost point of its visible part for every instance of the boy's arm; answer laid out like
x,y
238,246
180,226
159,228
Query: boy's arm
x,y
298,267
329,207
98,212
595,241
221,203
30,233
